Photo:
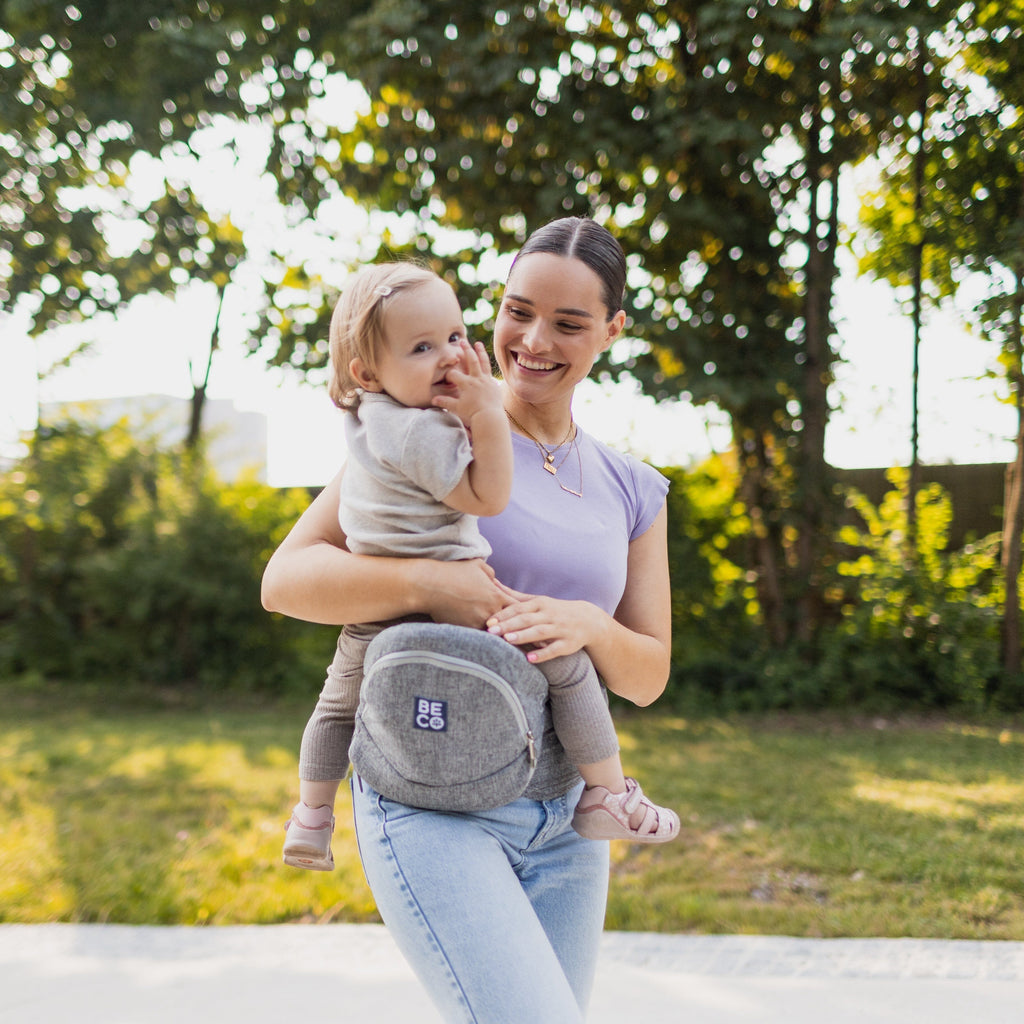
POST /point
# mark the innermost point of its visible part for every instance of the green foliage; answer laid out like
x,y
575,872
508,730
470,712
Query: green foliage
x,y
950,188
44,160
919,627
119,560
710,135
715,627
910,629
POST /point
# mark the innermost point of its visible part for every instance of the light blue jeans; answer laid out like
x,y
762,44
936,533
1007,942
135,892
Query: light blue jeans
x,y
499,913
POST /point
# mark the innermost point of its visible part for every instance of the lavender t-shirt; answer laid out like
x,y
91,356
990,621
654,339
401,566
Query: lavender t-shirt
x,y
548,541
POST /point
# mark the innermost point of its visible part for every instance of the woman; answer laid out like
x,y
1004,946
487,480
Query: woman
x,y
500,913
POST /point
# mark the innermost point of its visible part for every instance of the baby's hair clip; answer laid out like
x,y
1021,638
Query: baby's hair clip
x,y
383,290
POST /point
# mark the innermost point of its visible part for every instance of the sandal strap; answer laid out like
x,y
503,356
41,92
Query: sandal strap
x,y
651,824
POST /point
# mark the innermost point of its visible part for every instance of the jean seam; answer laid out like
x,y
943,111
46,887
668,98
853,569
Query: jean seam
x,y
556,813
453,979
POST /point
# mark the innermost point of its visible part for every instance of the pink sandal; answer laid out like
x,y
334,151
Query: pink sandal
x,y
307,842
601,814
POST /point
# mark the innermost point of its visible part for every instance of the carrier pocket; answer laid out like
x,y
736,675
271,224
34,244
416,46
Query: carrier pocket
x,y
449,718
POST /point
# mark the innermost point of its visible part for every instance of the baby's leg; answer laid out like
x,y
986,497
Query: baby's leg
x,y
323,756
582,720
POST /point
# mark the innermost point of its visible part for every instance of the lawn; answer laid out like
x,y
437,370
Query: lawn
x,y
138,810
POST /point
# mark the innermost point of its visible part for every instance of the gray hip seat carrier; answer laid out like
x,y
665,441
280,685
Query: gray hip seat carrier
x,y
450,718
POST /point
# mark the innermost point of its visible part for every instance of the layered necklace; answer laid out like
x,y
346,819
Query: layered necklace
x,y
548,454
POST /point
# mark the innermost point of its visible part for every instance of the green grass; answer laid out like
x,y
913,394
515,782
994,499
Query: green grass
x,y
137,810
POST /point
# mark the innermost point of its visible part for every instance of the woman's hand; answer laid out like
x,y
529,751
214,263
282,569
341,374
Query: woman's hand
x,y
552,627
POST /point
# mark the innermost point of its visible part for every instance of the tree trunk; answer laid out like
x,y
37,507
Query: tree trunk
x,y
917,258
1013,511
765,551
813,483
195,426
195,422
1013,520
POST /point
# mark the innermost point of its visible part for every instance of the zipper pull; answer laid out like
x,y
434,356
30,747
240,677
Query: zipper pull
x,y
532,749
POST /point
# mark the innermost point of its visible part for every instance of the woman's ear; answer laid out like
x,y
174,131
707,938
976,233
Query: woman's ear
x,y
614,329
363,376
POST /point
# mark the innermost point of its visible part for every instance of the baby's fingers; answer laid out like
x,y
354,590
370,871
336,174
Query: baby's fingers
x,y
469,361
483,358
475,361
467,357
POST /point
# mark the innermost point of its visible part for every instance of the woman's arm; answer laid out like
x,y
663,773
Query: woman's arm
x,y
632,650
312,576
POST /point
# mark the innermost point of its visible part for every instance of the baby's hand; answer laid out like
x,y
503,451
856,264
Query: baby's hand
x,y
477,392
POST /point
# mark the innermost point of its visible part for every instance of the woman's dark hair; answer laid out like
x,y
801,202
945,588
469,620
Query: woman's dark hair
x,y
585,240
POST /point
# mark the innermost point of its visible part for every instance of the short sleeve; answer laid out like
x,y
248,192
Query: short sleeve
x,y
650,489
435,452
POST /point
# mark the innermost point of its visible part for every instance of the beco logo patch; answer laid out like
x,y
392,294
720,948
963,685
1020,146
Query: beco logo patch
x,y
430,714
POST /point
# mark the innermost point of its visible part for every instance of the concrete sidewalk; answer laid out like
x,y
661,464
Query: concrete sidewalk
x,y
114,974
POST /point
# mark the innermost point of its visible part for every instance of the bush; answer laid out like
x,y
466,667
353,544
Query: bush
x,y
921,626
710,594
917,629
128,561
120,561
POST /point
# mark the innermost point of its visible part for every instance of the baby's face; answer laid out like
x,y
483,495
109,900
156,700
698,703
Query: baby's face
x,y
423,327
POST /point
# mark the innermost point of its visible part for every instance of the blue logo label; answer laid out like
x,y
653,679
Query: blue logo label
x,y
431,715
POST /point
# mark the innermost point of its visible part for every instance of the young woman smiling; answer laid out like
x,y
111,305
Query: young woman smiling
x,y
500,913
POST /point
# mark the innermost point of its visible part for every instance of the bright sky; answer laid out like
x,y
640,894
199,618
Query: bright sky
x,y
961,417
147,351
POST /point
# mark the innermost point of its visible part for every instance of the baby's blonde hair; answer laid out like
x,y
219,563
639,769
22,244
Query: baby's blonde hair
x,y
357,324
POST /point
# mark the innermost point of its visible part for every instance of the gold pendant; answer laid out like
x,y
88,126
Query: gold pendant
x,y
551,469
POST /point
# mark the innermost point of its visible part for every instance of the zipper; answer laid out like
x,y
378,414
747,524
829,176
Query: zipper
x,y
471,668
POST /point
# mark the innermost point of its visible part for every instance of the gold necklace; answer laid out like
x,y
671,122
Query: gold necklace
x,y
579,463
548,454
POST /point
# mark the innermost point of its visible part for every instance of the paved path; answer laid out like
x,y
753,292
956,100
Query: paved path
x,y
348,974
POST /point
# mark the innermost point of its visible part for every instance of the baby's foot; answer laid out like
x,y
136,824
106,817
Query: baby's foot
x,y
307,843
601,814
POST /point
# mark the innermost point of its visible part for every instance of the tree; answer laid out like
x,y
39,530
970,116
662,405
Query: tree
x,y
54,261
709,136
965,214
187,246
83,92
